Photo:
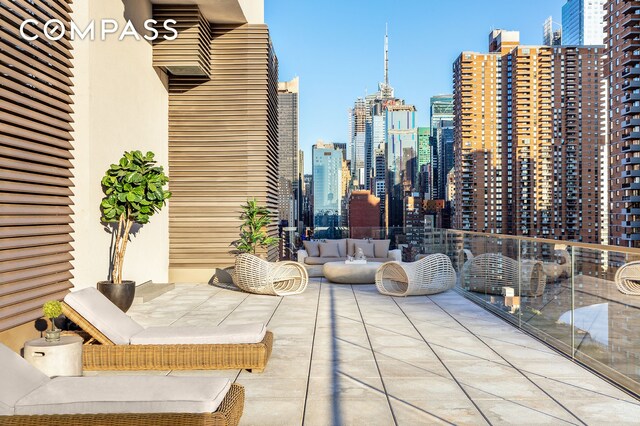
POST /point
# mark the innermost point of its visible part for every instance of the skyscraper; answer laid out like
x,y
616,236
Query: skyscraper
x,y
444,144
529,139
579,137
503,140
401,159
288,151
583,22
622,70
327,188
359,123
551,36
425,177
441,108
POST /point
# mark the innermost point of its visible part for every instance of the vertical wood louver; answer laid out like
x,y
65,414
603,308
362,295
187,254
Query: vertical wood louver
x,y
35,166
223,147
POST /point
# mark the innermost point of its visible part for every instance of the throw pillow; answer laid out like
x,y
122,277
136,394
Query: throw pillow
x,y
381,248
342,247
329,249
312,248
351,248
367,248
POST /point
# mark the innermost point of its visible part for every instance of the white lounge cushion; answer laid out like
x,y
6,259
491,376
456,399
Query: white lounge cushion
x,y
125,394
17,379
230,334
104,315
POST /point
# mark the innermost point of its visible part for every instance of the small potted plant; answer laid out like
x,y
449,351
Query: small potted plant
x,y
52,310
255,218
134,191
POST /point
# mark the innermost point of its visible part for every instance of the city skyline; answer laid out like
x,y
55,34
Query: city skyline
x,y
308,51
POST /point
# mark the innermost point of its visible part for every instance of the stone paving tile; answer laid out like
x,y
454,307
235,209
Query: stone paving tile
x,y
415,411
349,355
529,412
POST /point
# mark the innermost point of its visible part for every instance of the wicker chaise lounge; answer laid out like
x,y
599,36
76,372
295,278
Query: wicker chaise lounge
x,y
29,397
119,343
429,275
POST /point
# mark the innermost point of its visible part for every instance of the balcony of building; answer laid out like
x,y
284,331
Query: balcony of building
x,y
631,84
630,7
629,32
631,122
631,135
631,109
630,59
630,71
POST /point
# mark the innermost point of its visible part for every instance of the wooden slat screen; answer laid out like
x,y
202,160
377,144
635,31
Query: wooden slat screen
x,y
223,146
188,54
35,162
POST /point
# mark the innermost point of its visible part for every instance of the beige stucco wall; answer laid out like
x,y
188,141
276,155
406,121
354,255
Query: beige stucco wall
x,y
121,103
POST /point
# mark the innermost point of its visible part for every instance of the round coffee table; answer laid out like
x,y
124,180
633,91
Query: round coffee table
x,y
351,273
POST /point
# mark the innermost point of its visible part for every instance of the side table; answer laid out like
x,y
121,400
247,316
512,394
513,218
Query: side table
x,y
61,358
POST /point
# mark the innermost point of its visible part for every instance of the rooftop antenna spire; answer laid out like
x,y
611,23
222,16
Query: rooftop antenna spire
x,y
386,54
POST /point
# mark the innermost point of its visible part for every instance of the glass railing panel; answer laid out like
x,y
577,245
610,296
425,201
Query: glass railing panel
x,y
489,272
545,292
606,320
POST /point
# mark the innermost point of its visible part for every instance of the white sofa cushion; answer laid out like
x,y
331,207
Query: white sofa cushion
x,y
17,379
104,315
125,394
223,334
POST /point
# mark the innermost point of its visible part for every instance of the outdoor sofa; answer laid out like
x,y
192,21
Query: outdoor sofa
x,y
29,397
316,253
117,342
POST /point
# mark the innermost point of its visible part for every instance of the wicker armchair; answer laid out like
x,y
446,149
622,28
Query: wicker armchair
x,y
429,275
489,272
255,275
628,278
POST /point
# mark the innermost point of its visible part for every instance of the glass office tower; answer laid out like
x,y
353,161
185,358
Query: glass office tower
x,y
327,184
402,150
583,22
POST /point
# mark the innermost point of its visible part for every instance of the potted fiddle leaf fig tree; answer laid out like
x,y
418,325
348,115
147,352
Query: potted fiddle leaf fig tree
x,y
255,218
134,191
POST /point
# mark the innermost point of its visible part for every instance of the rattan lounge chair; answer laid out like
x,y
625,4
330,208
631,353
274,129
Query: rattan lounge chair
x,y
29,397
429,275
116,342
628,278
490,272
255,275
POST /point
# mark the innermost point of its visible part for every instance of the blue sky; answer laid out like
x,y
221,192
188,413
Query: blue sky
x,y
336,48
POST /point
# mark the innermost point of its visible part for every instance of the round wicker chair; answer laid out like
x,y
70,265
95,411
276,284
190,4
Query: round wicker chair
x,y
489,272
560,268
628,278
255,275
429,275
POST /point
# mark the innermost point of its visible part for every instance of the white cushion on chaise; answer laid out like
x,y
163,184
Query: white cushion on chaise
x,y
122,330
27,391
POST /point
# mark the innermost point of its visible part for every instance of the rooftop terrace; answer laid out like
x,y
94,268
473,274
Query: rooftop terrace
x,y
344,354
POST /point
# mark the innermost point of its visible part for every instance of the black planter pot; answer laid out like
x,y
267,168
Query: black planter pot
x,y
120,294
